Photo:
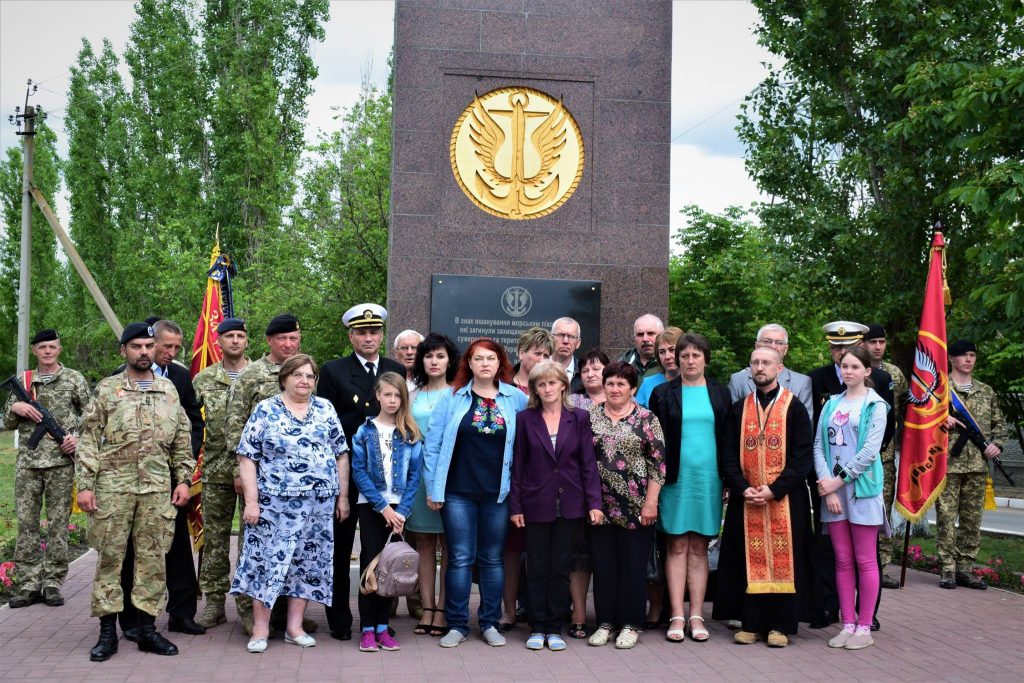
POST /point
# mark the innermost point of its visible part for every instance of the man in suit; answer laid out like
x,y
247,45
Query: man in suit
x,y
566,332
182,586
774,336
348,383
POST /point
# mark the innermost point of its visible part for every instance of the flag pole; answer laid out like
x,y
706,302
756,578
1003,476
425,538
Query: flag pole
x,y
906,549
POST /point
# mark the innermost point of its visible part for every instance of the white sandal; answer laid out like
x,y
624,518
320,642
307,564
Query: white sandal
x,y
701,634
676,635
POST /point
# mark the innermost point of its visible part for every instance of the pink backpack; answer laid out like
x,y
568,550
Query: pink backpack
x,y
394,572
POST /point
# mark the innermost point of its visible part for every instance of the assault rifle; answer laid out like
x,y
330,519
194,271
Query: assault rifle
x,y
971,432
48,425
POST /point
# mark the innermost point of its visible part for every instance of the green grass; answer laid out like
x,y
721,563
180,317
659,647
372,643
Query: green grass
x,y
1009,548
8,518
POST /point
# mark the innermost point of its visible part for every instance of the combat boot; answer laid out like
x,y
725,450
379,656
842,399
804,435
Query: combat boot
x,y
243,603
213,612
106,646
150,640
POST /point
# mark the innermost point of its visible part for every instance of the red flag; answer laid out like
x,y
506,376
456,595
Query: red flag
x,y
922,467
204,353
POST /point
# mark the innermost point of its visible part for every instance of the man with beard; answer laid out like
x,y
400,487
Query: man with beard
x,y
764,570
182,586
348,383
134,444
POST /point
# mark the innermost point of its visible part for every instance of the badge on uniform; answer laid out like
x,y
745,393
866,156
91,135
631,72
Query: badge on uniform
x,y
355,399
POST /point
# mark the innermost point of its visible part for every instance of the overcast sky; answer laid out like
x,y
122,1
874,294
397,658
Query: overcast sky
x,y
715,62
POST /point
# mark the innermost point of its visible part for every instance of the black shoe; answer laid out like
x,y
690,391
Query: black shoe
x,y
889,582
106,646
947,581
342,634
970,581
150,640
827,619
188,626
131,634
26,599
875,626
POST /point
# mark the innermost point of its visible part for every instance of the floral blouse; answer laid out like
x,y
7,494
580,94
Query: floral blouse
x,y
630,453
294,457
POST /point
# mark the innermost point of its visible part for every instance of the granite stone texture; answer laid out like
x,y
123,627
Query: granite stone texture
x,y
610,61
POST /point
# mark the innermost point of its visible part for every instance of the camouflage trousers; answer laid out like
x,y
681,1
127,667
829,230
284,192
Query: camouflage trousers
x,y
42,555
148,518
963,498
889,548
219,504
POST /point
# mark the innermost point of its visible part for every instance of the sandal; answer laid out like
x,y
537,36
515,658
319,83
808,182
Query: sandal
x,y
436,630
424,629
699,635
675,635
578,631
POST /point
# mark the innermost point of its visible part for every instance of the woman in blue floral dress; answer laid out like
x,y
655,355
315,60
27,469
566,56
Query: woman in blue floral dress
x,y
290,454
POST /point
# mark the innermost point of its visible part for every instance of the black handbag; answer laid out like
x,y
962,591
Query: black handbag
x,y
656,561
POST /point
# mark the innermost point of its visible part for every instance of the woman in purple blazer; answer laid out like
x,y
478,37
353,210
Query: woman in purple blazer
x,y
555,488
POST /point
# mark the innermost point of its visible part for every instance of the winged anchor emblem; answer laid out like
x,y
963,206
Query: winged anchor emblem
x,y
517,152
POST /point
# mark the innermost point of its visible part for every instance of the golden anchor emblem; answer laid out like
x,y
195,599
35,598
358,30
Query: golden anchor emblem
x,y
517,153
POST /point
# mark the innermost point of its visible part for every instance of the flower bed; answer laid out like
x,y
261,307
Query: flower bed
x,y
995,571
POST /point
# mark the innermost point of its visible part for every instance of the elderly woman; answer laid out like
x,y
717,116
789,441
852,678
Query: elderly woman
x,y
591,369
665,345
630,460
468,470
293,462
433,372
555,489
694,412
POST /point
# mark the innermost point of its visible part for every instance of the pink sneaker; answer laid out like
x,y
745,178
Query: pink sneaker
x,y
388,642
368,642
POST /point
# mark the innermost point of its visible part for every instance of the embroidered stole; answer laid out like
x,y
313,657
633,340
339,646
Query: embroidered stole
x,y
768,535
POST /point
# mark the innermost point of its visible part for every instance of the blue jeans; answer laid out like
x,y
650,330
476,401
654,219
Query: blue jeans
x,y
475,530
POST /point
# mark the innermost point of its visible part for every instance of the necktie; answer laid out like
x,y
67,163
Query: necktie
x,y
370,369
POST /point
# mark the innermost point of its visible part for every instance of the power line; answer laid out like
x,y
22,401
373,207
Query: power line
x,y
708,118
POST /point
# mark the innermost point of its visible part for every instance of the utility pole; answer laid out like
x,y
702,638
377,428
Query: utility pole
x,y
25,284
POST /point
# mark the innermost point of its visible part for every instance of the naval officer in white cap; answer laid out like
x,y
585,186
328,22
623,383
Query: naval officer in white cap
x,y
348,383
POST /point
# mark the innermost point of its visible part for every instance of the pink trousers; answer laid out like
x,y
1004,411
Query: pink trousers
x,y
855,542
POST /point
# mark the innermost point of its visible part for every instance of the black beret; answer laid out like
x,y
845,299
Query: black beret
x,y
44,335
135,331
960,347
875,331
231,325
286,322
152,320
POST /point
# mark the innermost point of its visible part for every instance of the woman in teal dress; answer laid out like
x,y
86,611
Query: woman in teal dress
x,y
433,371
693,411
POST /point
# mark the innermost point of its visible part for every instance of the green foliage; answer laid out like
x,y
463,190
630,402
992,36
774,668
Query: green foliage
x,y
732,277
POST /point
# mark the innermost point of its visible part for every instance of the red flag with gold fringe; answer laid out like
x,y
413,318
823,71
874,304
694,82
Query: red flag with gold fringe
x,y
205,352
922,466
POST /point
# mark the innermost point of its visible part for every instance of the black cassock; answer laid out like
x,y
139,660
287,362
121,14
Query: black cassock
x,y
761,613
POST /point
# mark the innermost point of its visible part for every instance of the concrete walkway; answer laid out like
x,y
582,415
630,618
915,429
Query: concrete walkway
x,y
927,634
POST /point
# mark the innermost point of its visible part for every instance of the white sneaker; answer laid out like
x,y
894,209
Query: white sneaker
x,y
492,637
453,638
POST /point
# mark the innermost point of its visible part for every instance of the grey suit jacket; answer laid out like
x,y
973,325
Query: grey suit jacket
x,y
741,384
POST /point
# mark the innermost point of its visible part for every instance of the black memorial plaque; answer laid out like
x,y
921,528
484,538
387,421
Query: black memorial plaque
x,y
466,307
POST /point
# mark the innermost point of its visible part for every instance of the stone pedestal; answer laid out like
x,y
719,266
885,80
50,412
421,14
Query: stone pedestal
x,y
609,61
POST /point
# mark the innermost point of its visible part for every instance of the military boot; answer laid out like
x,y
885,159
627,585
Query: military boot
x,y
150,640
243,604
106,646
213,612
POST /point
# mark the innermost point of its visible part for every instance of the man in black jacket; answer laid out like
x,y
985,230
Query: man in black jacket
x,y
182,587
348,383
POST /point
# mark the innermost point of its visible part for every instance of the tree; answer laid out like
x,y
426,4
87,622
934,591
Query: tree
x,y
855,195
48,275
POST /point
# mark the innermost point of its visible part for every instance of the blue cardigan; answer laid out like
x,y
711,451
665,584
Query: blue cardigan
x,y
444,427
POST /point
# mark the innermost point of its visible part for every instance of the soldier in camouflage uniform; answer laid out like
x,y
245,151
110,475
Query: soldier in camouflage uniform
x,y
48,472
257,382
966,473
220,487
134,433
888,548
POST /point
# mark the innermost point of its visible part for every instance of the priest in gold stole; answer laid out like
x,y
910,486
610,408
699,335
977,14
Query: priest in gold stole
x,y
764,570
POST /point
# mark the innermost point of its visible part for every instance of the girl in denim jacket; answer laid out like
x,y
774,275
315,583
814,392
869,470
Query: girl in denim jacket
x,y
387,456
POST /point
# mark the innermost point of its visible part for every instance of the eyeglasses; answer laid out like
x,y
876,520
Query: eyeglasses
x,y
309,377
762,363
566,336
772,342
408,347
